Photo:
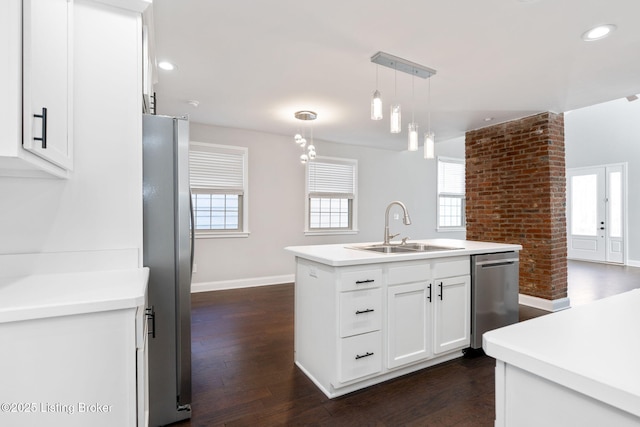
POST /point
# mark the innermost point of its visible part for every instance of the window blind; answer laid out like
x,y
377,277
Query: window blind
x,y
450,177
220,170
330,179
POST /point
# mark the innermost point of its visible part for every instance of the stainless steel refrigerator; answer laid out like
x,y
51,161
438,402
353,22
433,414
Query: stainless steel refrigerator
x,y
168,252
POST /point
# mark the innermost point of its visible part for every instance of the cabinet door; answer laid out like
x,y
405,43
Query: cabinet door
x,y
452,323
47,65
408,323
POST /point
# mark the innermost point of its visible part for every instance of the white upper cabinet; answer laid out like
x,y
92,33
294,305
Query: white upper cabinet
x,y
36,88
47,84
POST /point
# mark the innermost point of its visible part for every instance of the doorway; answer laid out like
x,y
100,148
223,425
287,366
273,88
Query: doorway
x,y
596,213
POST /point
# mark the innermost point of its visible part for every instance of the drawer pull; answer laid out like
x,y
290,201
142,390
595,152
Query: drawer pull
x,y
361,356
368,310
359,282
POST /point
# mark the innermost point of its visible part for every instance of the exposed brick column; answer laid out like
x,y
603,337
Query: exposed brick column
x,y
516,192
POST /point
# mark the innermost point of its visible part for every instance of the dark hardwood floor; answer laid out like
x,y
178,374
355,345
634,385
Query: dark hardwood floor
x,y
244,374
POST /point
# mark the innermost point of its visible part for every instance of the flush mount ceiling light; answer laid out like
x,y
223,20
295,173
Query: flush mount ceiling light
x,y
166,65
598,33
310,153
416,70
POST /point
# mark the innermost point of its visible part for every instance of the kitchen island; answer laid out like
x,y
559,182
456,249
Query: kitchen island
x,y
363,317
574,367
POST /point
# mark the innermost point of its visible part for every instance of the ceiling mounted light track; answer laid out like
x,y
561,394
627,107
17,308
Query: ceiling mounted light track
x,y
403,65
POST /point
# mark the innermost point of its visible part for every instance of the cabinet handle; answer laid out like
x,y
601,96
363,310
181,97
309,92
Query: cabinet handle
x,y
43,116
429,297
361,356
151,314
440,285
359,282
368,310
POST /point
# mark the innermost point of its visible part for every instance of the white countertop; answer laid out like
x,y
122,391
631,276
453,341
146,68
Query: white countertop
x,y
50,295
337,255
593,349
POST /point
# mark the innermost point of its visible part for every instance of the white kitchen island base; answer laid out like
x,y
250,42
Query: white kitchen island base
x,y
577,367
362,318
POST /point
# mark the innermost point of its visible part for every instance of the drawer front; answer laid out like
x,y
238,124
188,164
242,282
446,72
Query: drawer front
x,y
450,267
360,355
360,279
360,312
408,272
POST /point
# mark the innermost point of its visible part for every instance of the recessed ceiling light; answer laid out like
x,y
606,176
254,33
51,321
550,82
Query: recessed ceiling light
x,y
488,119
165,65
598,33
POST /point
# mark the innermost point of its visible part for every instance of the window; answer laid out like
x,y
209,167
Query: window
x,y
451,196
218,175
331,196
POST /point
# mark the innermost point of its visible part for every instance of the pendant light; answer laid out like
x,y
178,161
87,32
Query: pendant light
x,y
395,113
310,152
401,64
429,137
376,102
413,126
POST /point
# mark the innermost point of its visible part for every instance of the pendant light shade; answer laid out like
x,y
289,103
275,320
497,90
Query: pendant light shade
x,y
429,145
376,106
396,119
413,137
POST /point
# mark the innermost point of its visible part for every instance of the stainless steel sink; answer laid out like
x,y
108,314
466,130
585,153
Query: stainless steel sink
x,y
402,248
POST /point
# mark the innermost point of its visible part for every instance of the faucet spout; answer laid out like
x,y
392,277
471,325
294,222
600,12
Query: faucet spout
x,y
406,220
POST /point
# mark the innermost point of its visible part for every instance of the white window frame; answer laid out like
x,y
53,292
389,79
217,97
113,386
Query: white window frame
x,y
354,200
226,189
442,228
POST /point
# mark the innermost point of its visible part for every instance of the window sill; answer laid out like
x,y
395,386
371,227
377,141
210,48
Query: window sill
x,y
214,235
446,229
329,232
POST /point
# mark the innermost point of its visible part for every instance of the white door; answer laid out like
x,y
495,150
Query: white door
x,y
452,311
409,323
595,213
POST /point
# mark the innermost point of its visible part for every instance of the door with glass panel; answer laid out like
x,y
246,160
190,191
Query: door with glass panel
x,y
595,213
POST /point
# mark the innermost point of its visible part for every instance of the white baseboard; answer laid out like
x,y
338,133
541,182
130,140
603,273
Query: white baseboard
x,y
241,283
544,304
633,263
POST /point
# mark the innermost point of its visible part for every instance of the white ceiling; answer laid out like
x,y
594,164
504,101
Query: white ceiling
x,y
252,63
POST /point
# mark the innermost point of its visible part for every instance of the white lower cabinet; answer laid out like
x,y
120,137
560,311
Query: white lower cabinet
x,y
408,324
452,313
356,326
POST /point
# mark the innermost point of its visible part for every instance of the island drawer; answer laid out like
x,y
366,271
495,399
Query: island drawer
x,y
360,311
352,280
360,355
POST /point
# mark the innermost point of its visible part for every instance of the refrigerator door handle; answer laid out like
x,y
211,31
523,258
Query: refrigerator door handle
x,y
193,228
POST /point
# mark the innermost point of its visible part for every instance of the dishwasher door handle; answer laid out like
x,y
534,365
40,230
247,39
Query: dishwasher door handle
x,y
497,262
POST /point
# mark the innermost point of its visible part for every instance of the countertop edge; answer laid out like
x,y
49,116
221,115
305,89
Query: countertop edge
x,y
131,295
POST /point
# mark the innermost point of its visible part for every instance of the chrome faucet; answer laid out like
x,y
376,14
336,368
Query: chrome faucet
x,y
406,220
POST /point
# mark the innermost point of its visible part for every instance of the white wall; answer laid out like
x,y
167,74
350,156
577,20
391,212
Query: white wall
x,y
98,210
604,134
276,204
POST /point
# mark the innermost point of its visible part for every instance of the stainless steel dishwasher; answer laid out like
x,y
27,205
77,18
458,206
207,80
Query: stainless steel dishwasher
x,y
494,293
